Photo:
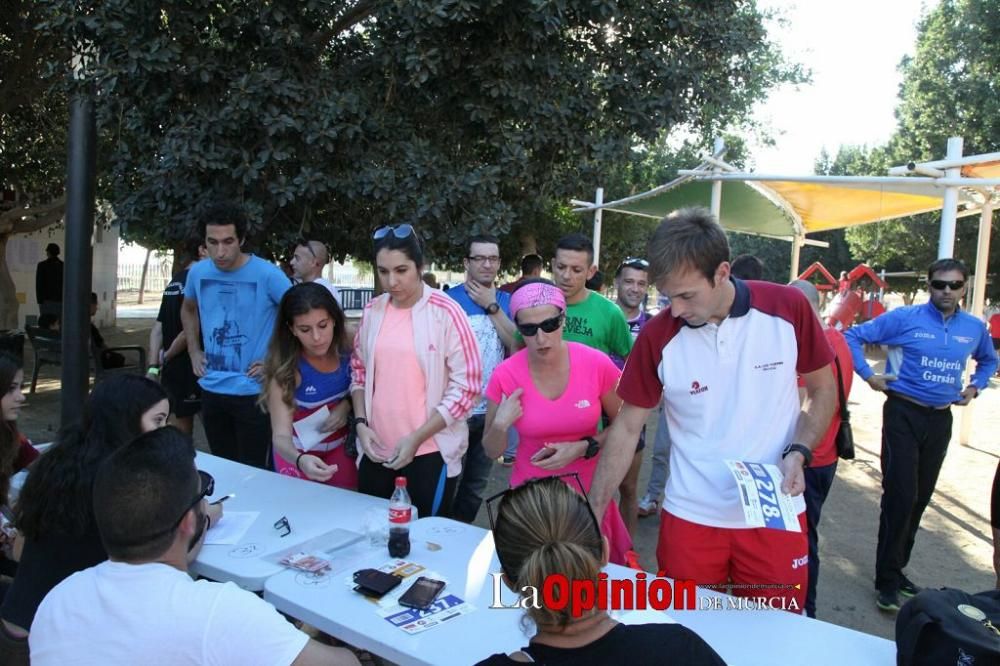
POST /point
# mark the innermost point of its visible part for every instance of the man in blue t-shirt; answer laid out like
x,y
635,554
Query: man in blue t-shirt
x,y
232,299
929,346
488,310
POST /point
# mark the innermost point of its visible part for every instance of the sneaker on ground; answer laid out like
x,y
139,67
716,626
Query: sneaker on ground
x,y
888,601
648,507
907,587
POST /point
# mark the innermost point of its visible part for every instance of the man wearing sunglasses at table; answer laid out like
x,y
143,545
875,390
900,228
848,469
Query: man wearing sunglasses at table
x,y
151,511
929,346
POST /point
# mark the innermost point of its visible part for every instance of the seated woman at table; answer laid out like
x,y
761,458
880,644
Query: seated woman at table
x,y
553,392
307,377
416,375
16,453
543,528
54,510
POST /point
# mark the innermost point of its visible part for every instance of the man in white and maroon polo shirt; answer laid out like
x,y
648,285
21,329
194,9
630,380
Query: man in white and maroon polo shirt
x,y
724,357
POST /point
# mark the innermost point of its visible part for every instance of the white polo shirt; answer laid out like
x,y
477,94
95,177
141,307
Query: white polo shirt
x,y
730,392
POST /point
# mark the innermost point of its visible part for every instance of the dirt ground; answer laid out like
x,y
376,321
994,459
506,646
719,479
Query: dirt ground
x,y
953,548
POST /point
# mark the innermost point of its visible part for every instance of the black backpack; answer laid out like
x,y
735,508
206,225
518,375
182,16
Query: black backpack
x,y
949,627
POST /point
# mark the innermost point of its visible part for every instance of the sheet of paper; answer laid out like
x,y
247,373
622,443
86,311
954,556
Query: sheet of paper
x,y
231,528
308,429
764,505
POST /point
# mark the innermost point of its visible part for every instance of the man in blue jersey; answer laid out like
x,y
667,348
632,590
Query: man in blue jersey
x,y
488,310
929,346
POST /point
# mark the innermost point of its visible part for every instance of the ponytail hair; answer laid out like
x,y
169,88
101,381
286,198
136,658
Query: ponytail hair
x,y
542,528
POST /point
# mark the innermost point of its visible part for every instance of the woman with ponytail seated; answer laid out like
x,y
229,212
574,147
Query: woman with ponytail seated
x,y
543,527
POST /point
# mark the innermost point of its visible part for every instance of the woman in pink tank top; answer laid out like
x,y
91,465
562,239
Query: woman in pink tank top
x,y
554,392
306,388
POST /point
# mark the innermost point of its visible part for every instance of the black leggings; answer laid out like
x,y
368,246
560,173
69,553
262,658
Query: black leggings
x,y
995,500
424,481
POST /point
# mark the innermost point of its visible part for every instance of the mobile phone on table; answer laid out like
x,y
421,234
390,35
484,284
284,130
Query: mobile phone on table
x,y
422,593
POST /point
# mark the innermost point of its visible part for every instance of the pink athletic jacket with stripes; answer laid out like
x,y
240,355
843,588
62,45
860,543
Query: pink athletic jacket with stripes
x,y
448,355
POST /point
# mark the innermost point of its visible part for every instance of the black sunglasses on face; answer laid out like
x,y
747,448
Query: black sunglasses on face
x,y
954,285
501,495
399,231
207,488
549,325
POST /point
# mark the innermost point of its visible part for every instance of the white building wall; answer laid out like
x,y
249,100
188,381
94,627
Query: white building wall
x,y
24,251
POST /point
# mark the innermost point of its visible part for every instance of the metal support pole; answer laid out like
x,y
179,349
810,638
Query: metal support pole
x,y
598,200
797,243
949,206
717,148
978,300
77,276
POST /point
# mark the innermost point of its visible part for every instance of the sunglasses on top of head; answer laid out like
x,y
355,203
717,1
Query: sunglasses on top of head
x,y
954,285
399,231
549,325
633,262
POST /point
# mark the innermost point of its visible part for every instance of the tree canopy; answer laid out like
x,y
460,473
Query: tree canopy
x,y
459,116
949,88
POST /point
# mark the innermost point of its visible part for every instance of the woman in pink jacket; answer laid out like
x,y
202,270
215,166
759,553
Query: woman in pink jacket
x,y
416,374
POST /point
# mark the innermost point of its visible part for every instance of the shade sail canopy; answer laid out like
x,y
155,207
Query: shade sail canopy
x,y
786,208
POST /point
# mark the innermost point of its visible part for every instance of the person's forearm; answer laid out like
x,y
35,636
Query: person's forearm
x,y
505,329
494,440
191,323
817,411
176,347
617,454
358,403
431,427
155,343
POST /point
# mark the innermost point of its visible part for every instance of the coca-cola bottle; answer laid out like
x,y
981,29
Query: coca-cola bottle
x,y
400,513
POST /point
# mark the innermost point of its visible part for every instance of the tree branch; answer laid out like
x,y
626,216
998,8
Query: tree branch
x,y
351,17
25,220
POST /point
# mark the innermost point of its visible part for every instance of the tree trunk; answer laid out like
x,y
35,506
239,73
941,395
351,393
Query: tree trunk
x,y
8,292
529,244
142,279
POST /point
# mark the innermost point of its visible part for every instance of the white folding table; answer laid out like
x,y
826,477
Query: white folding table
x,y
319,515
467,559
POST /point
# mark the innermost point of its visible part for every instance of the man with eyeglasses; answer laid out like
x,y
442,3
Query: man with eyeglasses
x,y
307,264
929,346
151,511
488,310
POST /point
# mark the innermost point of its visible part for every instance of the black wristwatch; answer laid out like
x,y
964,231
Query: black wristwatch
x,y
798,448
492,308
592,448
358,419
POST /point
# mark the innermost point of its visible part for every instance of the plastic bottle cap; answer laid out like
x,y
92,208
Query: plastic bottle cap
x,y
400,481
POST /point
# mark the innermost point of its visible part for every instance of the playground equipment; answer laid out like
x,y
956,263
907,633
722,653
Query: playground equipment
x,y
858,296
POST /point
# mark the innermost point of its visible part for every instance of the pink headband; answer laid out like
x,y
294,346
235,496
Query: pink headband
x,y
535,294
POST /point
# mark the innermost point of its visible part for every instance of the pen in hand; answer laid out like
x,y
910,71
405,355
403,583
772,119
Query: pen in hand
x,y
222,499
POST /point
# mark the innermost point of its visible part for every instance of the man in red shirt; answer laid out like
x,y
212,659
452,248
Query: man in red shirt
x,y
820,474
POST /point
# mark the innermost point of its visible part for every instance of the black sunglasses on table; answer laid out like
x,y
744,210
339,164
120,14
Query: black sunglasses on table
x,y
501,495
549,325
